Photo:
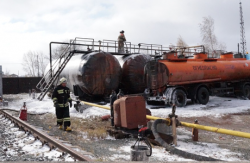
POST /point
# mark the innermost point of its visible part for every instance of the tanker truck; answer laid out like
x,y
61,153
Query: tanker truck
x,y
172,80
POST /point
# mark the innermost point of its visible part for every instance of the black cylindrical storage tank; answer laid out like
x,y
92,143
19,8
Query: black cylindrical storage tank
x,y
96,73
133,73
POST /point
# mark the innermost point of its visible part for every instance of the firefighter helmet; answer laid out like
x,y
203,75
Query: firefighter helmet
x,y
122,31
63,80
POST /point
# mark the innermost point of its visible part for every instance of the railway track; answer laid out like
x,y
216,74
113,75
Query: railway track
x,y
44,138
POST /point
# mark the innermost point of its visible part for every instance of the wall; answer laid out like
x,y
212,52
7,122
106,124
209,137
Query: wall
x,y
15,85
1,82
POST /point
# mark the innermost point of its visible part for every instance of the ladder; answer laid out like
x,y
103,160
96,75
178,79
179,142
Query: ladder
x,y
153,66
52,75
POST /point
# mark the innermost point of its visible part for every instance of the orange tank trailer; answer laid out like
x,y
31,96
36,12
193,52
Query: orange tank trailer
x,y
209,70
170,80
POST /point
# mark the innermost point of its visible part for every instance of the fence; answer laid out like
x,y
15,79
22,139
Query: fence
x,y
15,85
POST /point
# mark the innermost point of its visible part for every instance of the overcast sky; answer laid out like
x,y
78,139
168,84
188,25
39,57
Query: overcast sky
x,y
30,25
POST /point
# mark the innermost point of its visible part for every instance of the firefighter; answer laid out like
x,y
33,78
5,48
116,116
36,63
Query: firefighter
x,y
121,40
61,99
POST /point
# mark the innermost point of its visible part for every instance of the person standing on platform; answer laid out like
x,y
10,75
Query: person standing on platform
x,y
121,40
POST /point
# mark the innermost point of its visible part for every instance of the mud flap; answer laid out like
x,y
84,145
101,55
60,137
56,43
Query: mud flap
x,y
168,95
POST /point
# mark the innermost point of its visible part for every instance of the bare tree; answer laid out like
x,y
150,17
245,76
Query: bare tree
x,y
207,33
222,46
34,63
58,51
42,63
181,42
209,38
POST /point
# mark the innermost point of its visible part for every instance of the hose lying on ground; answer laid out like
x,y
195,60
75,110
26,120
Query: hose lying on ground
x,y
175,150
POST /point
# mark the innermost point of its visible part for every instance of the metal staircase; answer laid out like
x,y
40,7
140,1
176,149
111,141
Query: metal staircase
x,y
51,76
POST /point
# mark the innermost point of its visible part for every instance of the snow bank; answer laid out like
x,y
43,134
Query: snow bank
x,y
33,105
216,107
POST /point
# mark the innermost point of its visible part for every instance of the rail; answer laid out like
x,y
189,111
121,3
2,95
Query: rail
x,y
190,125
44,137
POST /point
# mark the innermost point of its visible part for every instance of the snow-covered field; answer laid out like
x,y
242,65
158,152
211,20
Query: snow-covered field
x,y
216,107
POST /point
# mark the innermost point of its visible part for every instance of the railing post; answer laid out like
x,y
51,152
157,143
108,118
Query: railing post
x,y
100,45
130,48
92,45
50,59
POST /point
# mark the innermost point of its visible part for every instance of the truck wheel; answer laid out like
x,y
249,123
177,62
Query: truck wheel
x,y
246,91
202,96
179,98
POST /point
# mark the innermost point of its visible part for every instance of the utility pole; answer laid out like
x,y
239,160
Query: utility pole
x,y
1,81
242,33
37,66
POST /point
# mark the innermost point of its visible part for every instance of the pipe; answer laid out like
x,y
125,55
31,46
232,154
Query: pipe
x,y
218,130
168,121
190,125
100,106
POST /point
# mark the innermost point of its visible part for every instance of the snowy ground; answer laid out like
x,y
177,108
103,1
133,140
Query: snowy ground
x,y
216,107
204,149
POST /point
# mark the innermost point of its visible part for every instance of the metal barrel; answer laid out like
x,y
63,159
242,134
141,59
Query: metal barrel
x,y
132,80
95,74
139,153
